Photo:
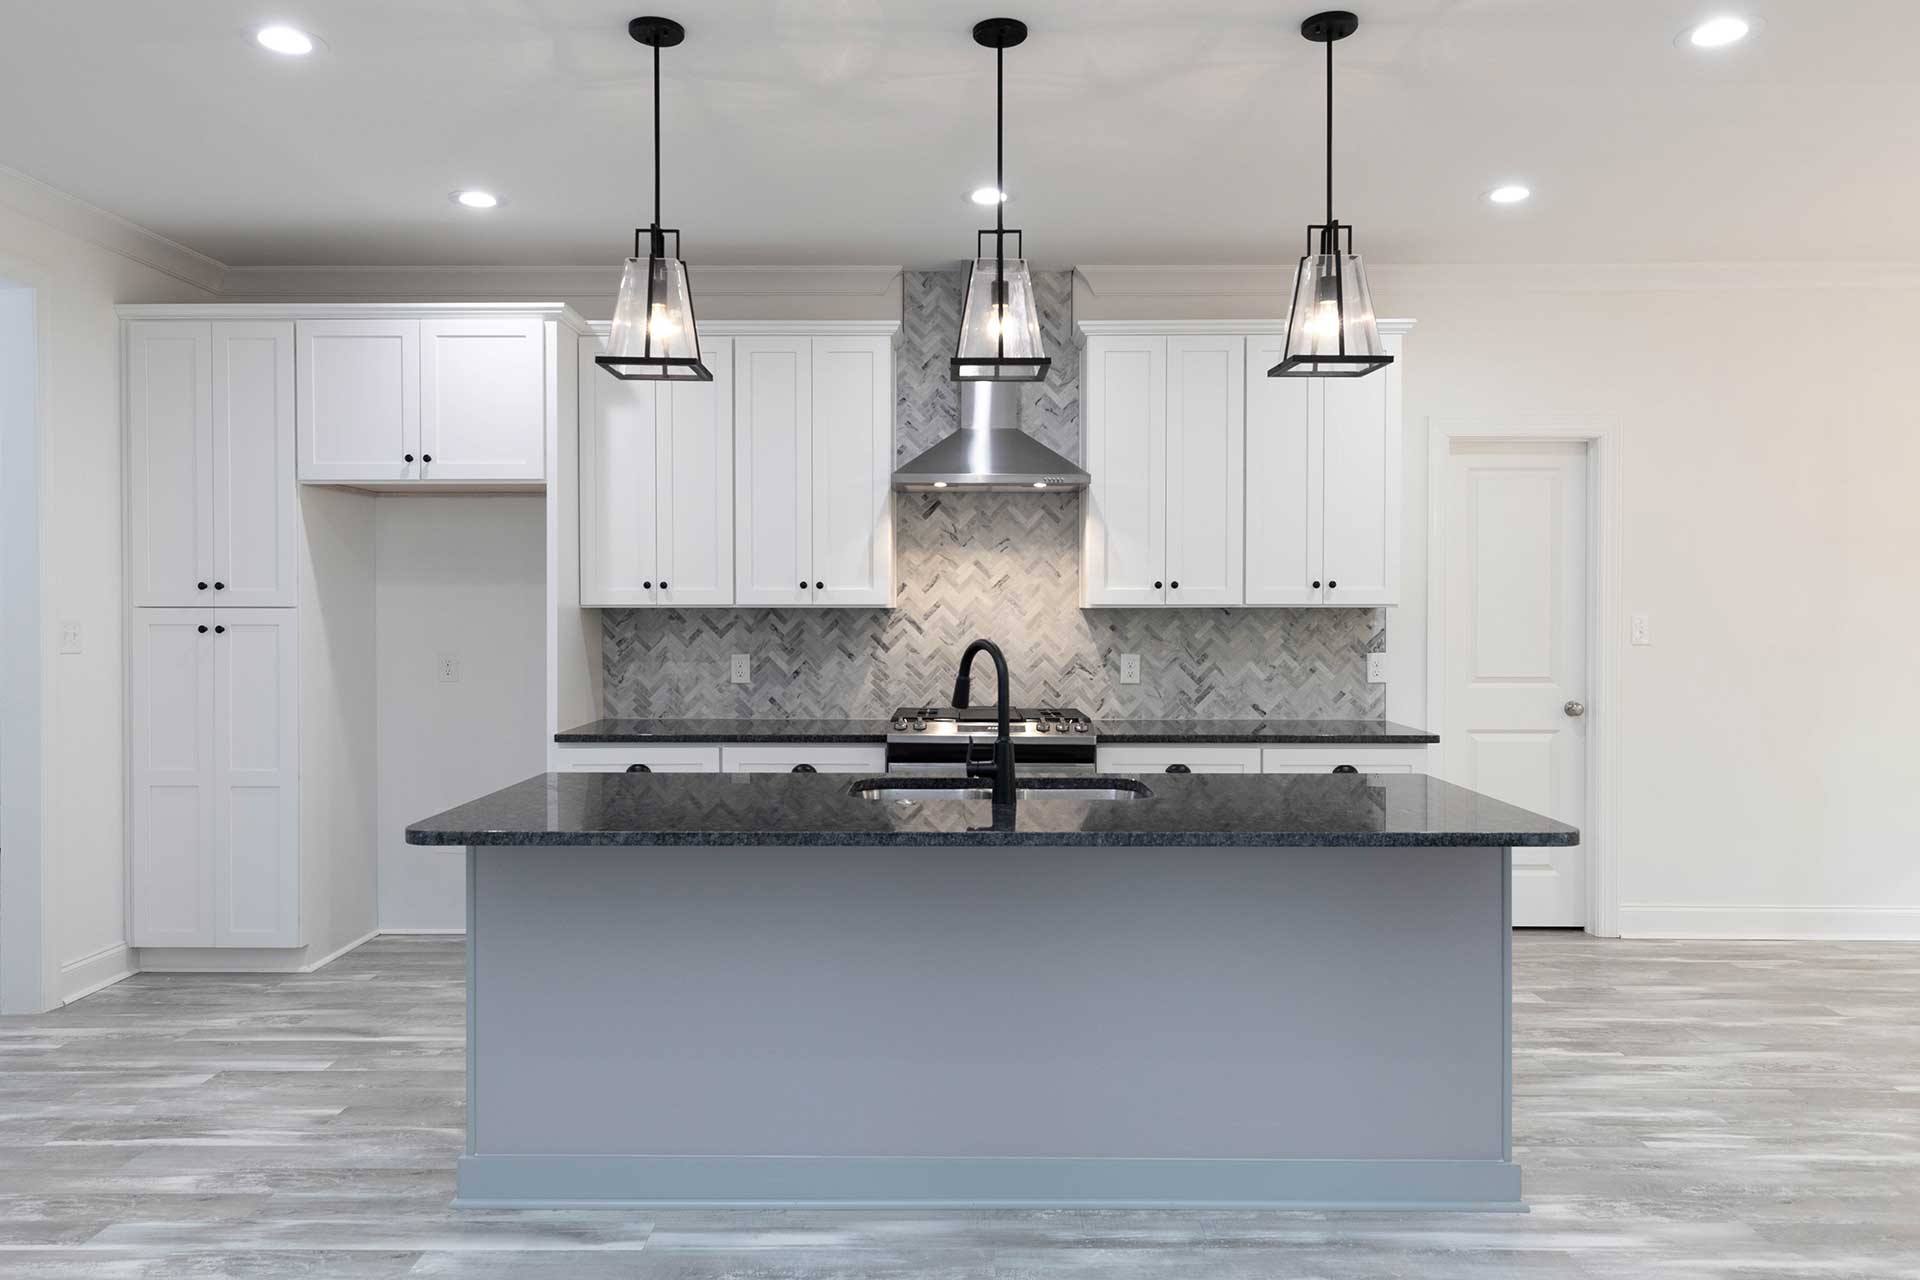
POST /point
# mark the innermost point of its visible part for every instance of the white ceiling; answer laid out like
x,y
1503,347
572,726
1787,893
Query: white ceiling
x,y
851,131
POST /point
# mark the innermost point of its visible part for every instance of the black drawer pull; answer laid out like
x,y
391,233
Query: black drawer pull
x,y
1179,768
219,631
638,768
409,457
203,628
203,586
426,457
804,768
1344,768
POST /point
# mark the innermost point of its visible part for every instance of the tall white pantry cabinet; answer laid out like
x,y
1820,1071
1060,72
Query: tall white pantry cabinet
x,y
228,410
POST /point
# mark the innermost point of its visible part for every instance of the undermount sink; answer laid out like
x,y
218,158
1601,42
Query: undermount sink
x,y
905,791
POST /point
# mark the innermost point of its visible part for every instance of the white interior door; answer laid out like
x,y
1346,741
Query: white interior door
x,y
1206,471
773,470
359,399
254,551
619,457
1283,482
255,848
1125,538
483,398
170,461
695,513
852,471
1515,618
170,684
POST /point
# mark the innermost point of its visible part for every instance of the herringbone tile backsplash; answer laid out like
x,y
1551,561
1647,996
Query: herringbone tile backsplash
x,y
1004,566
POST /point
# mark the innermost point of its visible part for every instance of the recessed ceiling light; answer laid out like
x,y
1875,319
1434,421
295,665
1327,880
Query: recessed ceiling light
x,y
473,199
989,195
1716,33
289,41
1512,193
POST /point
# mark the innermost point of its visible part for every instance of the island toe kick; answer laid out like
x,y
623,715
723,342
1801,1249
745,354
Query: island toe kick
x,y
988,1027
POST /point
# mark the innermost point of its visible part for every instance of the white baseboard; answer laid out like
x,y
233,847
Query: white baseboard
x,y
90,973
330,957
405,931
1862,924
241,959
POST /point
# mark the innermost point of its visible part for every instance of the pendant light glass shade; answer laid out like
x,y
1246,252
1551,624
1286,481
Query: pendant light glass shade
x,y
1331,331
1000,325
653,336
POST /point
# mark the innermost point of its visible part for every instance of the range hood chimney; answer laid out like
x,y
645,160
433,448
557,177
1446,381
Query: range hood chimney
x,y
990,452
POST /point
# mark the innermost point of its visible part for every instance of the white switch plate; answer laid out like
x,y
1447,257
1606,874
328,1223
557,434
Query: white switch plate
x,y
743,668
1376,668
1129,668
449,669
1642,629
70,637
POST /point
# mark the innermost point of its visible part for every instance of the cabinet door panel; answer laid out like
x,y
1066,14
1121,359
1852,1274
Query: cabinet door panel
x,y
619,458
255,847
695,507
359,399
255,556
1125,538
853,471
170,460
1206,473
483,398
1361,512
773,470
1283,482
170,684
1161,758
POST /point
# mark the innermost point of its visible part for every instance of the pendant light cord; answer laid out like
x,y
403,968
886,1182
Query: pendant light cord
x,y
657,245
1329,133
1000,187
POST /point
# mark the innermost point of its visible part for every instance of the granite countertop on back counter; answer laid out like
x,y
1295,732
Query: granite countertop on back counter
x,y
1111,732
1247,810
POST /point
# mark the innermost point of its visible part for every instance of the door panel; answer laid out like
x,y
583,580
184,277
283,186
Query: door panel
x,y
359,399
619,460
695,507
255,555
170,459
773,470
1283,486
483,398
1515,636
170,683
852,470
256,834
1125,538
1206,471
1360,445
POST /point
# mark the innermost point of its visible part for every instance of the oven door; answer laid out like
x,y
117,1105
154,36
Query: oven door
x,y
950,756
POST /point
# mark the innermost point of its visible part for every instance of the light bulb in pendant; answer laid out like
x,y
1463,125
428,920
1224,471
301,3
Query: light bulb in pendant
x,y
1324,325
662,324
996,321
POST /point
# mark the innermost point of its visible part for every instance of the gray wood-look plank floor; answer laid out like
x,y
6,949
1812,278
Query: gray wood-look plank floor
x,y
1682,1110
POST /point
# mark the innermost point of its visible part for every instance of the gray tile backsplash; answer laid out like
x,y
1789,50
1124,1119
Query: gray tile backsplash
x,y
1005,566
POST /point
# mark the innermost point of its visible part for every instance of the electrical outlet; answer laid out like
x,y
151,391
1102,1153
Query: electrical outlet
x,y
1376,668
743,668
1642,629
1129,668
70,637
449,669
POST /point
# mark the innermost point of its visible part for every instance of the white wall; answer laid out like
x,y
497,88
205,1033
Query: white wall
x,y
80,263
1770,427
462,576
21,927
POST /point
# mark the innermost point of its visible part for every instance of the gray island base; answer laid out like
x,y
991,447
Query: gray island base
x,y
1263,991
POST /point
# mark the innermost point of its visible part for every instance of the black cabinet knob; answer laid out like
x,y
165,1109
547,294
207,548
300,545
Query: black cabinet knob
x,y
1179,768
1176,584
203,586
219,631
819,586
663,584
1331,584
409,457
1156,584
804,768
426,457
203,628
803,584
648,585
1316,584
638,768
219,586
1344,768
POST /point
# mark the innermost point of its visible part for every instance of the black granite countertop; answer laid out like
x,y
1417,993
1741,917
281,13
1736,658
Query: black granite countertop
x,y
1112,732
1255,810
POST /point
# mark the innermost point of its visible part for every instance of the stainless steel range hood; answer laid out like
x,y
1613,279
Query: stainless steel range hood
x,y
990,451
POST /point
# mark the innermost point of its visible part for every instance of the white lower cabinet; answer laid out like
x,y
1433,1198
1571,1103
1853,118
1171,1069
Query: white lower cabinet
x,y
725,757
1361,759
688,758
801,757
1174,757
215,837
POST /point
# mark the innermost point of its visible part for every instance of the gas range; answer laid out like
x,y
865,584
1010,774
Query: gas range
x,y
939,739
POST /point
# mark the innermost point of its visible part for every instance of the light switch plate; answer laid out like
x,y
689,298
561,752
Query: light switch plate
x,y
1376,668
1129,668
70,637
1642,629
742,668
449,669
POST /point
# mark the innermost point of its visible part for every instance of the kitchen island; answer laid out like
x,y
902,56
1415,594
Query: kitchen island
x,y
793,989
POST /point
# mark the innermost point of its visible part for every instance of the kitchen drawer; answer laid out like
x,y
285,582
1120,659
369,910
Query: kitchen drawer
x,y
686,758
1198,759
782,757
1327,759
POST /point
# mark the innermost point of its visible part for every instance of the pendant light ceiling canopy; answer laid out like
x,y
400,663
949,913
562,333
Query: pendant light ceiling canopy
x,y
1331,331
654,338
999,324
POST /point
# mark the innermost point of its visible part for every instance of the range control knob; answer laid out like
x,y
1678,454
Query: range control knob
x,y
919,725
899,724
1081,726
1042,726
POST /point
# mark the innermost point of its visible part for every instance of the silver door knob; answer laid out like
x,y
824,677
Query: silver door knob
x,y
1575,708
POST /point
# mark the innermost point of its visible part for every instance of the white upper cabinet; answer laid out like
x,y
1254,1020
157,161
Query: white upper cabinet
x,y
656,485
453,399
359,414
1255,490
210,456
483,398
1123,384
813,467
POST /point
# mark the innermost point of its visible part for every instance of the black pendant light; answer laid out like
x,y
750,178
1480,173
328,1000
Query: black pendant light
x,y
654,338
1330,329
999,324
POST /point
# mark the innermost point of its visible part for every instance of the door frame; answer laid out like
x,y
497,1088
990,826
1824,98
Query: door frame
x,y
1604,625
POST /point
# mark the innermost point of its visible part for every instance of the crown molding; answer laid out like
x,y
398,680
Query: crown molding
x,y
474,283
344,310
32,198
1266,280
1196,328
779,328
